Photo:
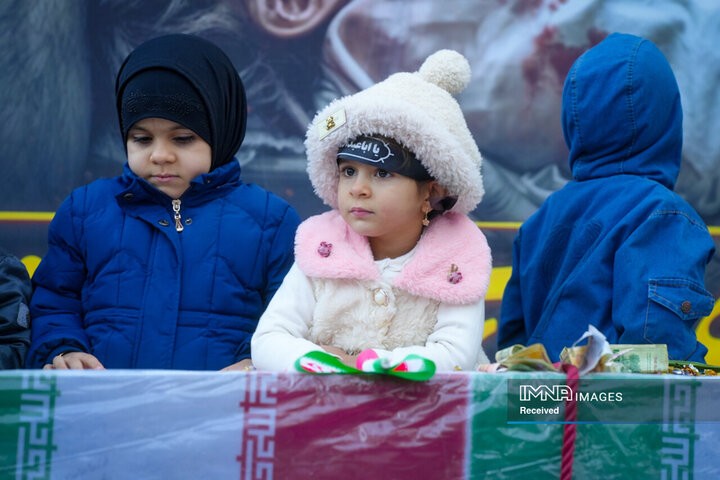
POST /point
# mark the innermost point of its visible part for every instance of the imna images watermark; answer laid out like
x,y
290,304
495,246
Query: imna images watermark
x,y
563,393
629,399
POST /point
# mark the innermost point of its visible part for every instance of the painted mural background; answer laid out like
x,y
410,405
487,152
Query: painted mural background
x,y
58,127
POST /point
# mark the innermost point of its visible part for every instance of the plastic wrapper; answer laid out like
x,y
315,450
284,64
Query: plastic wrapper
x,y
157,424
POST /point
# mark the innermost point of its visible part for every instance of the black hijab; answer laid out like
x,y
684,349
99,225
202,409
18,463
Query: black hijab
x,y
204,72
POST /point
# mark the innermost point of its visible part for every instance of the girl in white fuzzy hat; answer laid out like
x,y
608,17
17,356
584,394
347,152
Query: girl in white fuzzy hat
x,y
397,267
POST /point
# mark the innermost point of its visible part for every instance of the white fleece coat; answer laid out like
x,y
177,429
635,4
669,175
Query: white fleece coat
x,y
336,294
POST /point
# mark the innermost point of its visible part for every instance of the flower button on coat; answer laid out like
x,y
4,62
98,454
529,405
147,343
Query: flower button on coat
x,y
454,275
325,249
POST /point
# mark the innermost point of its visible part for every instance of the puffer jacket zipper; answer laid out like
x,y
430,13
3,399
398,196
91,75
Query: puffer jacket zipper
x,y
178,220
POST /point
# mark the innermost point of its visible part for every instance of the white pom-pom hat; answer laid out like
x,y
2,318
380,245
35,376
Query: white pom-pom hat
x,y
417,110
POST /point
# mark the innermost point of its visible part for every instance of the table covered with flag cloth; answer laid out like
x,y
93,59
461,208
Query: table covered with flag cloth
x,y
257,425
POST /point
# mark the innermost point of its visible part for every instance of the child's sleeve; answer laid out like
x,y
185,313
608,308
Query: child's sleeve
x,y
658,284
511,327
14,298
456,341
56,305
281,255
282,333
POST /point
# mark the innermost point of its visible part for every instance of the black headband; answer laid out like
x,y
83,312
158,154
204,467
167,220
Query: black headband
x,y
389,156
164,94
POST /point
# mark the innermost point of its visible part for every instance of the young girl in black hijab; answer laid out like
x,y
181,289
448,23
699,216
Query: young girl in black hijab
x,y
171,264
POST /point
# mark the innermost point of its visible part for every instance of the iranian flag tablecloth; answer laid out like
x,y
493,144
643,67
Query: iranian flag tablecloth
x,y
217,425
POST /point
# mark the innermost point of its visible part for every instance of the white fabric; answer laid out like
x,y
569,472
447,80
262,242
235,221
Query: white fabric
x,y
285,327
357,315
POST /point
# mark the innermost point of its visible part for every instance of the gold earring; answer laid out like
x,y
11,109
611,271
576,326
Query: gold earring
x,y
426,220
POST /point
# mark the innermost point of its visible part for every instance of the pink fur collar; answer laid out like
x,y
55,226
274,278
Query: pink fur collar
x,y
326,247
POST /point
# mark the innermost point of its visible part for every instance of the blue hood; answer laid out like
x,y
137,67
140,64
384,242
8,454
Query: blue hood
x,y
621,112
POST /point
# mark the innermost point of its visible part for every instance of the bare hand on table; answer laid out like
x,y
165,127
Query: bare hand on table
x,y
74,361
245,364
349,360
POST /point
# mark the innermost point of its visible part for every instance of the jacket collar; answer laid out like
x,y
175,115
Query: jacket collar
x,y
203,188
326,247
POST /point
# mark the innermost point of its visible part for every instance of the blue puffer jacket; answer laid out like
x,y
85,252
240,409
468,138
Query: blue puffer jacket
x,y
120,282
615,248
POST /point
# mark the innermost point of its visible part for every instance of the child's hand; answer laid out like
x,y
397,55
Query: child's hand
x,y
349,360
245,365
74,361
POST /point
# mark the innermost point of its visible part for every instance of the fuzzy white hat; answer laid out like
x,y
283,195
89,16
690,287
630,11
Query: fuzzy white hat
x,y
417,110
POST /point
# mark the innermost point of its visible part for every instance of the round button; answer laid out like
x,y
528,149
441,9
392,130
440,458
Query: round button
x,y
188,221
163,222
686,306
128,196
380,297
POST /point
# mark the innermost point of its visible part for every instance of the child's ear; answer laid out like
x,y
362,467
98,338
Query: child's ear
x,y
436,190
432,189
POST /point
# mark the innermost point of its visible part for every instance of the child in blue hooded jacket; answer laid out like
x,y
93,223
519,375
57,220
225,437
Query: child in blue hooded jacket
x,y
614,248
170,265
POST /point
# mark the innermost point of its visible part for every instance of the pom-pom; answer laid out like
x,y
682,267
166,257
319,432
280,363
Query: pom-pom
x,y
447,69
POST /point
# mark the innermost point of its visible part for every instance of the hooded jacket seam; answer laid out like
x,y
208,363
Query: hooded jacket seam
x,y
664,213
630,106
576,117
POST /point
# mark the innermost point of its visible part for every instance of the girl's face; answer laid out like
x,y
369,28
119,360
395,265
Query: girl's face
x,y
386,207
166,154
